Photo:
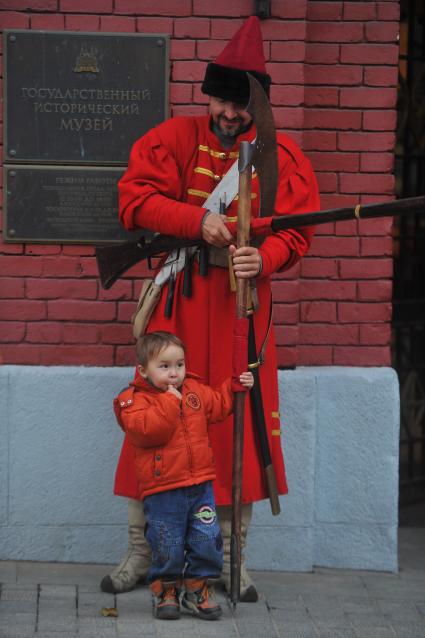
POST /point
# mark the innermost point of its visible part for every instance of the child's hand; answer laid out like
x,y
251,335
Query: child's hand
x,y
247,380
174,391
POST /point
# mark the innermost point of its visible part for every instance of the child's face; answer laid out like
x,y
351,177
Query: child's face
x,y
167,368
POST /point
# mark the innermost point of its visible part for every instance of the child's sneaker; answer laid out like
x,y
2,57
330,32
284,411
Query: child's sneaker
x,y
165,600
197,599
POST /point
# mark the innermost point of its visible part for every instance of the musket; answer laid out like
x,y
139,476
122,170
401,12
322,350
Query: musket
x,y
113,260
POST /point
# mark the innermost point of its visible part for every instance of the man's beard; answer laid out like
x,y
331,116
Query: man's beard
x,y
230,128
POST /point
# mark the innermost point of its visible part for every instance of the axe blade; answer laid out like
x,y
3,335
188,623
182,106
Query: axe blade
x,y
264,157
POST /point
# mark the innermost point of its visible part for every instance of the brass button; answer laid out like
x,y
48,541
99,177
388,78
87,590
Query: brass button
x,y
222,155
217,177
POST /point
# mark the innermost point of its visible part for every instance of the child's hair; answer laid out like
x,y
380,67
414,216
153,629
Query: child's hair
x,y
149,346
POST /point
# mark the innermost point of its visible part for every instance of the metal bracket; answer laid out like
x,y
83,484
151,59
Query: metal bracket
x,y
262,9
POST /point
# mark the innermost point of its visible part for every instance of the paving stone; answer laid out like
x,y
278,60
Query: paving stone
x,y
22,595
21,631
374,632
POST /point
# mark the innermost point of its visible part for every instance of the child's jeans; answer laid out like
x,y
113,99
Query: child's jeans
x,y
182,528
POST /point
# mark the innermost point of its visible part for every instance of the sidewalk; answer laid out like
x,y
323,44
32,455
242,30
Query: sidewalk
x,y
54,600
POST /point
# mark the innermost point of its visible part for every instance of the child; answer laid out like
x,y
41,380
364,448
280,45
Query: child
x,y
165,412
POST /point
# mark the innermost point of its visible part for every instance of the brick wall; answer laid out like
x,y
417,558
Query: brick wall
x,y
334,68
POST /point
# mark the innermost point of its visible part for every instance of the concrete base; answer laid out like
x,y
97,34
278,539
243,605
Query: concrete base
x,y
59,445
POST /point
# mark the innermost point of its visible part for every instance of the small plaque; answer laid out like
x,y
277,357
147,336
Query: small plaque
x,y
62,205
81,98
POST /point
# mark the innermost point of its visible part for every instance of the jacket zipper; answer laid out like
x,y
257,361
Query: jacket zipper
x,y
189,450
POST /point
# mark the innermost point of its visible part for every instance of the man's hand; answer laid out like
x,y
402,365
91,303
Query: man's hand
x,y
246,261
246,379
214,230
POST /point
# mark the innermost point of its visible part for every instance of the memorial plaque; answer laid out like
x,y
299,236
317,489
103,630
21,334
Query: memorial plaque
x,y
81,98
62,204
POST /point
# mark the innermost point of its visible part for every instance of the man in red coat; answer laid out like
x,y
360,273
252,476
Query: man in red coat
x,y
172,171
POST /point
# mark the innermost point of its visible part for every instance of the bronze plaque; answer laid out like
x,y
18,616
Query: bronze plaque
x,y
60,205
81,98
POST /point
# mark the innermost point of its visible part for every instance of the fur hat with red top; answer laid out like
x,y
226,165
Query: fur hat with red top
x,y
226,77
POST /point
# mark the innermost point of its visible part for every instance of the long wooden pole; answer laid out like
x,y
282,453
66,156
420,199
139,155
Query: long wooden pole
x,y
244,216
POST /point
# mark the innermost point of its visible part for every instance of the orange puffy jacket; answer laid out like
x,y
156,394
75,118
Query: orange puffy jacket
x,y
170,437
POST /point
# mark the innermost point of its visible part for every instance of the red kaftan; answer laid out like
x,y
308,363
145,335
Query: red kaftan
x,y
172,170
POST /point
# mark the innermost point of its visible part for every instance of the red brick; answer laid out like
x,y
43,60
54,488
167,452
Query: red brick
x,y
286,357
324,11
189,111
44,332
332,74
94,355
188,71
382,31
61,267
348,162
329,334
314,355
225,29
359,11
118,24
289,9
46,22
154,25
11,288
125,356
321,96
24,355
283,30
365,97
12,249
380,120
332,119
198,96
376,162
361,356
122,289
380,290
288,118
285,313
324,228
365,268
289,292
319,141
376,246
319,289
60,288
381,76
21,266
346,228
365,183
87,267
286,95
378,226
367,200
71,310
286,73
182,49
287,51
31,5
291,273
335,32
11,331
10,20
23,310
39,249
357,141
363,312
327,182
334,247
318,311
82,6
82,23
287,335
117,333
192,28
375,334
322,53
368,54
153,7
330,202
208,49
235,8
77,250
388,11
125,310
80,333
312,267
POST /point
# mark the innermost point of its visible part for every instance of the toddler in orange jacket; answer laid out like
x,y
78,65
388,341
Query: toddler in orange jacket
x,y
165,412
